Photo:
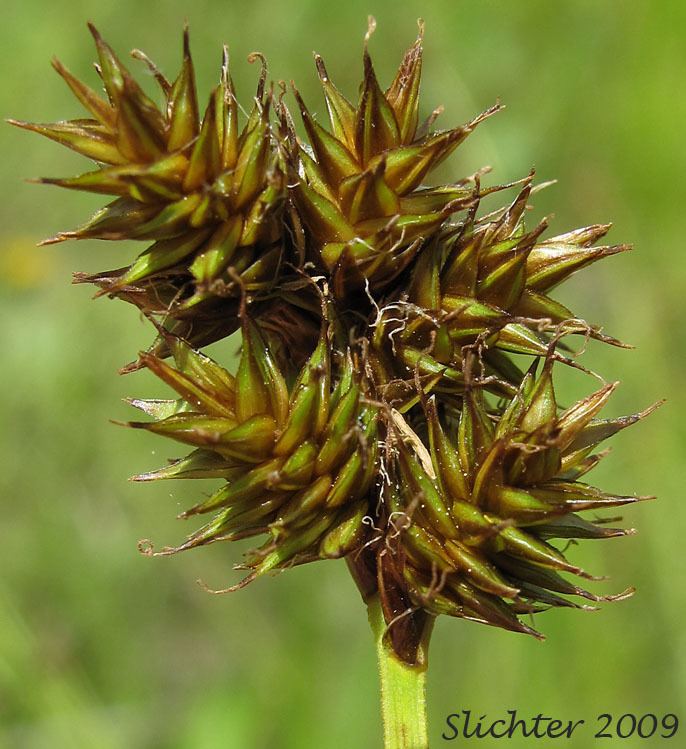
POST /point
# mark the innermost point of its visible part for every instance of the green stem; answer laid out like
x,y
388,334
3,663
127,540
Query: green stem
x,y
403,689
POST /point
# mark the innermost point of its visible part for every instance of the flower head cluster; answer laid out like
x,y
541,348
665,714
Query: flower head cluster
x,y
394,400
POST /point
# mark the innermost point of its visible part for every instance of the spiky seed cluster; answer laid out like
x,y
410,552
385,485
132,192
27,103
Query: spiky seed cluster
x,y
297,462
381,409
205,191
484,282
360,188
475,512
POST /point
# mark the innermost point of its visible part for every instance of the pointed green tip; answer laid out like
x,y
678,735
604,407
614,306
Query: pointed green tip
x,y
63,236
95,33
186,41
231,589
20,123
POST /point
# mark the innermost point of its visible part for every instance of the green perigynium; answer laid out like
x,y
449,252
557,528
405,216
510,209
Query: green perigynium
x,y
394,400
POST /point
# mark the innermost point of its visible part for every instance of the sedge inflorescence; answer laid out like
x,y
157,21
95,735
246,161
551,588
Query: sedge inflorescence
x,y
393,402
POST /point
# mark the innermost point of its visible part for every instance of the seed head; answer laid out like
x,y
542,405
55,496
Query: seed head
x,y
394,400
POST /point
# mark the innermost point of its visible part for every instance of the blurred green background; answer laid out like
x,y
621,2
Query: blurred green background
x,y
102,648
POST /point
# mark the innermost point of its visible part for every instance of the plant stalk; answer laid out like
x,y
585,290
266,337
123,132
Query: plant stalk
x,y
403,688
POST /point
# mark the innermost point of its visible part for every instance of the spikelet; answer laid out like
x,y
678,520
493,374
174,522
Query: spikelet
x,y
297,462
207,193
358,187
479,500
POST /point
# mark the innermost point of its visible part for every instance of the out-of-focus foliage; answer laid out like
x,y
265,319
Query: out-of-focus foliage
x,y
100,647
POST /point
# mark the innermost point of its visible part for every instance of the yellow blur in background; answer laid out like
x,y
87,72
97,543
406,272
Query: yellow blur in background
x,y
105,649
